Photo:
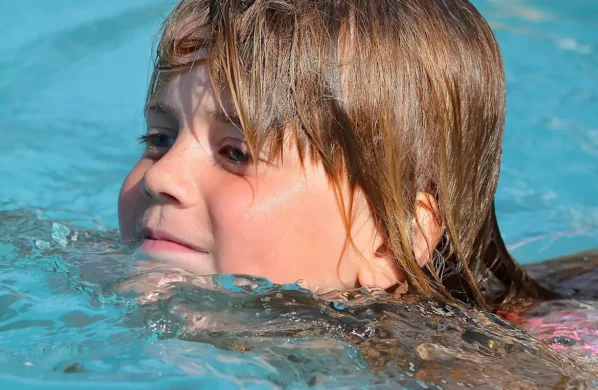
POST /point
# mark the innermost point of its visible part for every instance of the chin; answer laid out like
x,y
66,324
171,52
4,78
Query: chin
x,y
195,263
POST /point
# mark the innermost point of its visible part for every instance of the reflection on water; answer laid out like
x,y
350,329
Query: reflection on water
x,y
75,74
74,306
522,9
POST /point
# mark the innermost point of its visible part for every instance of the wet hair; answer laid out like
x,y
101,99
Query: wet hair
x,y
393,97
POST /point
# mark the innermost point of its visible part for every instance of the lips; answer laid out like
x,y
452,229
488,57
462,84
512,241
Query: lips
x,y
161,241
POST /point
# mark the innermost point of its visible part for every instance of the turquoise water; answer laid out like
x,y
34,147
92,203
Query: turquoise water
x,y
74,76
71,98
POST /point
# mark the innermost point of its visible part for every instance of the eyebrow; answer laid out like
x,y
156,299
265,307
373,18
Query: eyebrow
x,y
217,115
223,117
161,108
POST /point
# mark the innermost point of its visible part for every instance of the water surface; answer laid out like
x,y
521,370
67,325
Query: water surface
x,y
76,310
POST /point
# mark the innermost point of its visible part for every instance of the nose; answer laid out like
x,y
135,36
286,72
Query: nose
x,y
170,180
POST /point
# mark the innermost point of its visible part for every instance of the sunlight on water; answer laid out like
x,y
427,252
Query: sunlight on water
x,y
79,311
74,79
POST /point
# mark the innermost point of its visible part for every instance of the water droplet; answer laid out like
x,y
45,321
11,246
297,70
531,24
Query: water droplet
x,y
41,244
422,384
279,295
59,233
564,341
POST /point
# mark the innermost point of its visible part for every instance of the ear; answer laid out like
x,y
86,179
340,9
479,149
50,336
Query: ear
x,y
426,227
381,269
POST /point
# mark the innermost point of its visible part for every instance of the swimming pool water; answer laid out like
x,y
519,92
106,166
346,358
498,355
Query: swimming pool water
x,y
71,98
74,76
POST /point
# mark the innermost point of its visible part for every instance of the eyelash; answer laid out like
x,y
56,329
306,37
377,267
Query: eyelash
x,y
225,151
150,148
149,139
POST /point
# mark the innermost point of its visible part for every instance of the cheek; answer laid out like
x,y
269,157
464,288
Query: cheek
x,y
291,229
131,203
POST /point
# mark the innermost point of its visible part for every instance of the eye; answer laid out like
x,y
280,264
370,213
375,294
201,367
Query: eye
x,y
156,143
161,140
158,140
236,155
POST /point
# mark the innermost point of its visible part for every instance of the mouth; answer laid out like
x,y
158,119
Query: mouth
x,y
160,242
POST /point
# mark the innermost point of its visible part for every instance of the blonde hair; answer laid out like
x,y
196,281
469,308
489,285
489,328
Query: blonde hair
x,y
392,96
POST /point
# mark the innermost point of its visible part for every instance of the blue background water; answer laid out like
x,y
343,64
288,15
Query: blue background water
x,y
72,83
74,75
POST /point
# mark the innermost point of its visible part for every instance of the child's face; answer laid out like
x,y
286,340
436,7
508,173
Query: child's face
x,y
195,201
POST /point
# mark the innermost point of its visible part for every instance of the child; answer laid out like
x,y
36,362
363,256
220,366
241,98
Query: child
x,y
342,143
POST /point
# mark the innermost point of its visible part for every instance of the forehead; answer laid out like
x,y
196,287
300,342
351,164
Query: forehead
x,y
189,95
183,92
180,70
183,85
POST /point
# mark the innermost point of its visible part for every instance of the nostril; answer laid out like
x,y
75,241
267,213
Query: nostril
x,y
146,190
146,194
158,196
164,183
163,197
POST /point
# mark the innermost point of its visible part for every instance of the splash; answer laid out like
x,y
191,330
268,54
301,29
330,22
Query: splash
x,y
84,308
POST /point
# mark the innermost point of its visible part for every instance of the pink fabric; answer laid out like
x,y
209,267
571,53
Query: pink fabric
x,y
565,326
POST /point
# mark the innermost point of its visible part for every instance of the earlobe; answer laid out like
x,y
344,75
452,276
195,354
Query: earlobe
x,y
381,273
382,270
426,227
